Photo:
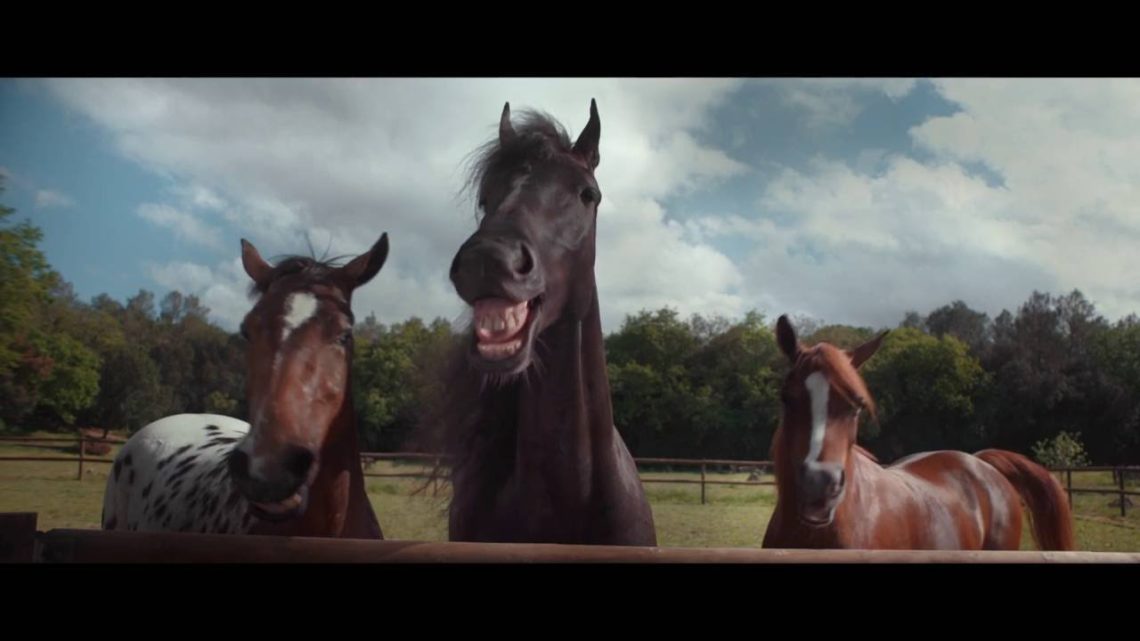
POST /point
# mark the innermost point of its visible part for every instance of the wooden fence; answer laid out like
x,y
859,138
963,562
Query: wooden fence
x,y
20,542
761,467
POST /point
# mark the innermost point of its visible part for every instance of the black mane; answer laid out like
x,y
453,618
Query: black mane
x,y
537,137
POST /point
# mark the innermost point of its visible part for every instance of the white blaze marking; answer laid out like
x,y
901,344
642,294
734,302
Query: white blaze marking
x,y
818,389
299,308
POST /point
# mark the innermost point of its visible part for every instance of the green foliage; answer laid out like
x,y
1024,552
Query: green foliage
x,y
218,403
1063,450
707,385
71,380
40,369
393,376
842,336
926,389
132,394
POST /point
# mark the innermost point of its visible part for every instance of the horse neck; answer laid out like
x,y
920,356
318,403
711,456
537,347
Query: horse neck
x,y
340,454
341,450
785,470
565,418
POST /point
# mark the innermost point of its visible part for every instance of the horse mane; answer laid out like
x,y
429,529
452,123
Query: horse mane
x,y
538,136
471,424
308,268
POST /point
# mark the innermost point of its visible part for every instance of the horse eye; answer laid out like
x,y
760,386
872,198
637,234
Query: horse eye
x,y
345,338
591,195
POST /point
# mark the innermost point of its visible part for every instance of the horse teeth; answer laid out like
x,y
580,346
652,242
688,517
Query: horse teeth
x,y
500,325
499,351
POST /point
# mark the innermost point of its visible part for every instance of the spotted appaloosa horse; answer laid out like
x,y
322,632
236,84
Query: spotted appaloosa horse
x,y
297,470
831,493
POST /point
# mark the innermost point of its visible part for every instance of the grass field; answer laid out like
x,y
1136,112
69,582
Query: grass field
x,y
735,515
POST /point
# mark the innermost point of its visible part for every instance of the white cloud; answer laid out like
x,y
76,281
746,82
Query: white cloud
x,y
864,249
341,161
185,225
859,246
337,162
1066,150
46,198
221,288
195,196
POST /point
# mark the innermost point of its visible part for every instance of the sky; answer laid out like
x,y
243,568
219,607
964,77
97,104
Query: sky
x,y
844,200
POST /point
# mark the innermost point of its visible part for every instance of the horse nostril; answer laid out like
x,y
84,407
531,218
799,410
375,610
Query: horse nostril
x,y
298,461
524,263
239,465
837,484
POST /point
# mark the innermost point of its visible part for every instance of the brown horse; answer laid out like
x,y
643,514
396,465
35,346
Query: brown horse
x,y
296,471
528,425
834,494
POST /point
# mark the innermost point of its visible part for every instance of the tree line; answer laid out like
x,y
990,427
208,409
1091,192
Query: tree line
x,y
1053,377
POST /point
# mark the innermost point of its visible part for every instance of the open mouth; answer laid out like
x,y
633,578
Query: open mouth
x,y
504,332
818,514
282,510
815,520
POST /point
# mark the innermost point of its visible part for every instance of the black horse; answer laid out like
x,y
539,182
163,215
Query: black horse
x,y
527,421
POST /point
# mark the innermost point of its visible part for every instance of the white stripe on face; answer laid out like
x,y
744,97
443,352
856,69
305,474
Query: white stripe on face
x,y
299,308
818,389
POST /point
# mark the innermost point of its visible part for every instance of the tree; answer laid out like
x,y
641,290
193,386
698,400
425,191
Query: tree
x,y
25,280
72,377
957,319
218,403
842,336
393,379
1046,376
1116,356
130,394
42,370
655,403
926,390
913,320
1063,450
741,367
657,339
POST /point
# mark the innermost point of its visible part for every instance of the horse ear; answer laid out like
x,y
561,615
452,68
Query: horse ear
x,y
586,147
859,355
506,130
786,338
365,266
255,265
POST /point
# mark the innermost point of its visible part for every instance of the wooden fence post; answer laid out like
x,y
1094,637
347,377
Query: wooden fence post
x,y
79,477
702,482
1123,509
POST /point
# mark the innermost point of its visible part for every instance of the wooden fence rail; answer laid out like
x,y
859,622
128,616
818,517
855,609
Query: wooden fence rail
x,y
21,543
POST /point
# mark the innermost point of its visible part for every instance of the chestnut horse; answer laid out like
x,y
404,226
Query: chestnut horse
x,y
831,493
527,422
296,471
